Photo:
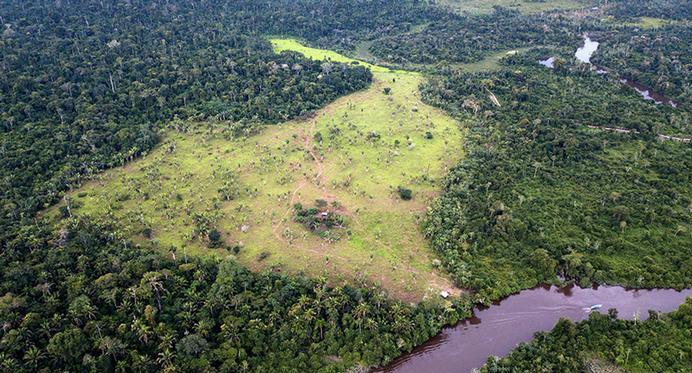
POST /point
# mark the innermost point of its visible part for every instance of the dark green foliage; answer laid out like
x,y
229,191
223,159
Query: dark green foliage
x,y
338,25
467,38
667,9
147,232
658,58
319,219
404,193
659,344
605,207
236,249
82,299
214,238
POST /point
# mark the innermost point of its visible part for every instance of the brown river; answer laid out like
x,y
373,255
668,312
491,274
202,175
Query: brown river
x,y
497,329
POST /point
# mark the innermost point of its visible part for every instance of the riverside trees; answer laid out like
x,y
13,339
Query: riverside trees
x,y
535,177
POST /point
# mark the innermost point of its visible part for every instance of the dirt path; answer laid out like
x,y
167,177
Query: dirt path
x,y
307,143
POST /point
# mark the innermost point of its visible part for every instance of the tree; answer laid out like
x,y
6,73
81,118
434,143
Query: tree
x,y
68,346
192,345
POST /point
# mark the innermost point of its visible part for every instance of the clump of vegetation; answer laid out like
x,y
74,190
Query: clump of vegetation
x,y
404,193
231,187
147,232
235,249
214,238
320,219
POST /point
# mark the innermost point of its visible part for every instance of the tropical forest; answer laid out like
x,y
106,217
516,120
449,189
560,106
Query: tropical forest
x,y
448,186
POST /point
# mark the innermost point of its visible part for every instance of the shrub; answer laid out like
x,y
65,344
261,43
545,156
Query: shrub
x,y
214,238
405,193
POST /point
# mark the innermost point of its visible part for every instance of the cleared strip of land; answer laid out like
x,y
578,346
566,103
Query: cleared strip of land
x,y
353,154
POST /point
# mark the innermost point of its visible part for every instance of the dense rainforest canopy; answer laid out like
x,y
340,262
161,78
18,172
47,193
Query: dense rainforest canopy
x,y
84,299
541,193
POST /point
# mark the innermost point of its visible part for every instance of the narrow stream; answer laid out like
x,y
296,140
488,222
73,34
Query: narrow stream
x,y
648,94
498,329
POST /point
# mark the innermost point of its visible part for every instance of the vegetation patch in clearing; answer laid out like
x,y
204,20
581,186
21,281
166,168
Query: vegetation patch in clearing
x,y
524,6
353,155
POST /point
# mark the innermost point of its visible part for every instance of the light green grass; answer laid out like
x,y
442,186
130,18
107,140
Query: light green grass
x,y
526,7
384,244
490,62
646,23
293,45
651,23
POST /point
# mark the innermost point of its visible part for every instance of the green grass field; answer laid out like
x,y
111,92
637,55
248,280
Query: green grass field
x,y
371,143
651,23
524,6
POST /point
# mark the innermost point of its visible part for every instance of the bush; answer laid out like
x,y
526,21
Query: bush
x,y
214,238
405,193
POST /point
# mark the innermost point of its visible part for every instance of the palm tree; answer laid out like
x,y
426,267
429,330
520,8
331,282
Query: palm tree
x,y
80,308
111,346
320,324
360,312
142,330
536,165
140,363
153,281
45,328
33,356
166,358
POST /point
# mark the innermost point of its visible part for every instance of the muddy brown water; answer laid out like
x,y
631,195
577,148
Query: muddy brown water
x,y
498,329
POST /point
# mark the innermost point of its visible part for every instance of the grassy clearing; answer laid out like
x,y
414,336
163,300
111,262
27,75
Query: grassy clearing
x,y
371,143
281,45
524,6
646,23
651,23
491,62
